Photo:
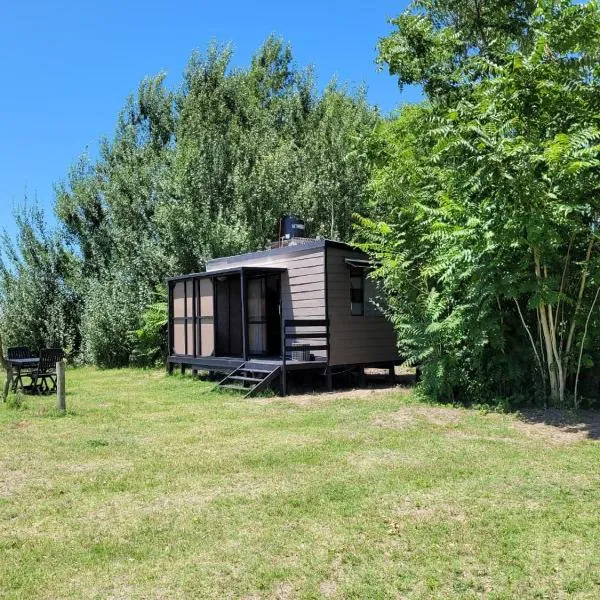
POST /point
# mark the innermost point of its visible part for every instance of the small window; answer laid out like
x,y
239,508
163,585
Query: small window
x,y
357,291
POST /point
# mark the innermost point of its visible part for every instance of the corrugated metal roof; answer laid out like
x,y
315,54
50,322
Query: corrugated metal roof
x,y
293,249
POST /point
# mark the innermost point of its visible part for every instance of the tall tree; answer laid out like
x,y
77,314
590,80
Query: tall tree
x,y
491,197
205,171
39,300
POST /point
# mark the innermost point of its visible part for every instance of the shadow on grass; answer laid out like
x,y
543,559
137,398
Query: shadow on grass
x,y
584,424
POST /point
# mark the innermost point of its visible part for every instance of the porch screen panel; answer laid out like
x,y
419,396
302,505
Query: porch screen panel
x,y
179,300
206,331
179,338
178,328
257,316
183,316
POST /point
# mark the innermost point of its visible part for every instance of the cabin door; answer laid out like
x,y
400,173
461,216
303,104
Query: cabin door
x,y
257,316
229,317
264,324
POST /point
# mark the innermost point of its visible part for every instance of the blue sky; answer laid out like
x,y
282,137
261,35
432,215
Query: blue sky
x,y
67,67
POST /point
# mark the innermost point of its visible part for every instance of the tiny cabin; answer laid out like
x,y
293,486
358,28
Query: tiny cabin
x,y
305,304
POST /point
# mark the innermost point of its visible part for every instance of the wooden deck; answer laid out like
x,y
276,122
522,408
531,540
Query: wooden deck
x,y
225,364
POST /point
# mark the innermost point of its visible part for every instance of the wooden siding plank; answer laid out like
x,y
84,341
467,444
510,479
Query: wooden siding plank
x,y
313,303
314,286
307,279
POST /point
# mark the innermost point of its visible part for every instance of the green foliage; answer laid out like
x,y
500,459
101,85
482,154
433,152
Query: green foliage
x,y
206,171
112,312
199,172
151,337
448,45
14,400
253,144
39,305
485,200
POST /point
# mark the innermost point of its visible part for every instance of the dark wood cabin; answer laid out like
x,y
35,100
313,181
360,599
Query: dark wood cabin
x,y
258,316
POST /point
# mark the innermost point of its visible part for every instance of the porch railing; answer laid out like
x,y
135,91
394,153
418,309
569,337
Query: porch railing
x,y
314,339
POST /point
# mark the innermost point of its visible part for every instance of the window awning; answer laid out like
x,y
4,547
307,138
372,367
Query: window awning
x,y
359,263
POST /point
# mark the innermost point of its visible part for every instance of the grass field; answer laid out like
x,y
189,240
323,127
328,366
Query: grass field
x,y
152,488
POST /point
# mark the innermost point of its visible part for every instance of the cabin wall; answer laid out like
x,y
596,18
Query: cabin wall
x,y
354,339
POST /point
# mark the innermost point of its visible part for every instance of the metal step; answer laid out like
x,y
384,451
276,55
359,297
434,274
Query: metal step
x,y
261,385
231,386
257,369
256,384
242,378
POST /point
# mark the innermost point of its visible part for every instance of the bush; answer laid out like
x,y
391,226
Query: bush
x,y
112,312
39,303
151,337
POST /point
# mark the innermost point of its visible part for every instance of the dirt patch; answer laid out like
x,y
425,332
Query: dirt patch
x,y
421,510
325,397
441,415
401,419
97,466
329,587
407,415
366,461
559,426
485,438
11,481
283,591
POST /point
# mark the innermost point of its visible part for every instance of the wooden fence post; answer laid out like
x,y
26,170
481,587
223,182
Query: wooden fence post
x,y
60,385
7,366
7,382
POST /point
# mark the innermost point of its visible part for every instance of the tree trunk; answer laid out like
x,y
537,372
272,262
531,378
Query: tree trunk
x,y
548,333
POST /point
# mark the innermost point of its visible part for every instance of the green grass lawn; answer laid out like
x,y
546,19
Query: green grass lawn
x,y
152,488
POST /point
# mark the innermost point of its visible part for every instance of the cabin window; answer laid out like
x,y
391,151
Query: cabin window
x,y
357,291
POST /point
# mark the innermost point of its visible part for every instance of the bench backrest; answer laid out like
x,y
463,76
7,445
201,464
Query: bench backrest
x,y
49,357
18,352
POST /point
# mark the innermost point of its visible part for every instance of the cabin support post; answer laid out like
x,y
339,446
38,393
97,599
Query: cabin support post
x,y
329,379
169,367
283,380
392,373
283,377
244,301
361,376
182,369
